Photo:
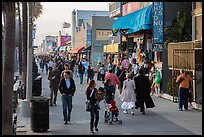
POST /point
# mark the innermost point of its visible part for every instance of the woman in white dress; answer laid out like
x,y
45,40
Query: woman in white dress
x,y
128,96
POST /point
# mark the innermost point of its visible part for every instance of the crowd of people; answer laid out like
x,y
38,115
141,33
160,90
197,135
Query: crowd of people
x,y
135,86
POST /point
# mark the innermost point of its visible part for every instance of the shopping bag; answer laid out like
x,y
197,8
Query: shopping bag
x,y
88,105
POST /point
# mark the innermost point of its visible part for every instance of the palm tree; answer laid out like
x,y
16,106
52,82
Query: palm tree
x,y
8,9
20,38
36,10
177,32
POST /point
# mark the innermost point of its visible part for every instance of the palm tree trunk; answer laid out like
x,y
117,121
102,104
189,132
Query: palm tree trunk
x,y
8,69
20,40
24,45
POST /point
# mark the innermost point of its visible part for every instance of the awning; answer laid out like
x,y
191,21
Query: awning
x,y
136,21
76,49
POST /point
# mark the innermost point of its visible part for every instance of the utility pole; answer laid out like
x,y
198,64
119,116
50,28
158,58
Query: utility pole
x,y
25,103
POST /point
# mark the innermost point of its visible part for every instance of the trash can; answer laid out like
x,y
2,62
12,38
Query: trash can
x,y
39,108
37,86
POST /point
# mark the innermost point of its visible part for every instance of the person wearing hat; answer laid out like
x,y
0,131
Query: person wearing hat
x,y
128,96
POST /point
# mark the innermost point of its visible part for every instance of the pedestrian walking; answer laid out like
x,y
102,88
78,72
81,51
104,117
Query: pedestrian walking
x,y
98,72
152,76
114,79
42,65
67,89
76,70
54,77
46,67
110,91
94,112
125,63
128,96
72,64
183,79
102,73
61,66
143,89
90,73
156,83
66,68
81,70
50,63
121,75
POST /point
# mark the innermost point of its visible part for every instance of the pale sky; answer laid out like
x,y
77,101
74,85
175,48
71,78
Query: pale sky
x,y
55,13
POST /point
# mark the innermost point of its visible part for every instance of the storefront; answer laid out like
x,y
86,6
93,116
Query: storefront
x,y
77,51
111,53
136,30
111,48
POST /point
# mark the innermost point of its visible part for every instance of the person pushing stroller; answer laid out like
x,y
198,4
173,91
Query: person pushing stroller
x,y
111,110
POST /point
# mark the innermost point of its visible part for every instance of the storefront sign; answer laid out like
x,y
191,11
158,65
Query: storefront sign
x,y
112,48
157,22
89,38
103,34
50,41
65,39
98,44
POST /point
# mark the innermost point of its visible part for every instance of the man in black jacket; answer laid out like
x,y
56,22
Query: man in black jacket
x,y
81,69
54,77
67,89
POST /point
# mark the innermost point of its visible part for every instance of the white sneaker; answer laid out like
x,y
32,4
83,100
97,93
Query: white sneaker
x,y
125,112
132,113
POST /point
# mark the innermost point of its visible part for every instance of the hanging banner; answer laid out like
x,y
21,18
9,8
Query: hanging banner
x,y
158,22
64,39
89,38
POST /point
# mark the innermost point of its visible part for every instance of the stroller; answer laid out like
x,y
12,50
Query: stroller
x,y
111,113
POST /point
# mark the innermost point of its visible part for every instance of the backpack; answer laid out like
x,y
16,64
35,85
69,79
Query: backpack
x,y
102,70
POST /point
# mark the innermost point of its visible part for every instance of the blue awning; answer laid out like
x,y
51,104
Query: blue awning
x,y
136,21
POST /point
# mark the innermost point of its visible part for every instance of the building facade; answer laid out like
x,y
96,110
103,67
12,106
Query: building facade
x,y
101,29
83,16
